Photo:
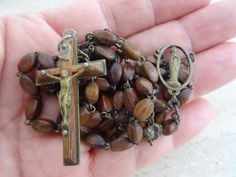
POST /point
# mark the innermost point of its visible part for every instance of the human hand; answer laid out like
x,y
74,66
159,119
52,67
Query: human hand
x,y
150,24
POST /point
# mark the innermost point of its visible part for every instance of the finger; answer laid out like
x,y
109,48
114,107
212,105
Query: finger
x,y
215,64
197,31
22,34
1,46
141,155
44,153
125,16
211,25
214,68
128,17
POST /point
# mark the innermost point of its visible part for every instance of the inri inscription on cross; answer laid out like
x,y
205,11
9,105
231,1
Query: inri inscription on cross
x,y
67,74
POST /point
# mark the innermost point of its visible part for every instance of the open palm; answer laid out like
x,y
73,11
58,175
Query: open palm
x,y
150,24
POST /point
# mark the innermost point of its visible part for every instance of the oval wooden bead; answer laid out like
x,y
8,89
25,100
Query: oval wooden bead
x,y
45,61
131,51
33,109
166,94
121,144
105,37
149,71
27,63
105,104
135,133
128,72
130,99
183,76
115,73
112,134
143,109
184,95
159,105
104,52
103,84
118,100
106,125
92,92
169,127
95,141
152,59
160,117
94,120
121,117
43,125
28,85
143,86
84,115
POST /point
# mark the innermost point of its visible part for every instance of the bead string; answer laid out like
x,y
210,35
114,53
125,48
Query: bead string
x,y
116,111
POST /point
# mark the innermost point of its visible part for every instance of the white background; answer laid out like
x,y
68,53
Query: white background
x,y
212,154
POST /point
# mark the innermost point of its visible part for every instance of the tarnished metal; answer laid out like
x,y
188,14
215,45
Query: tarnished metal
x,y
173,84
68,96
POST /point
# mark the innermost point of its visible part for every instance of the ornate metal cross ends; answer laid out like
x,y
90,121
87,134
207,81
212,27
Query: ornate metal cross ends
x,y
137,100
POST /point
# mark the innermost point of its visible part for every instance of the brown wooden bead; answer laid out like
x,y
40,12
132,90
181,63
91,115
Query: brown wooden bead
x,y
105,37
103,84
104,52
131,51
27,63
45,61
118,100
115,73
128,72
84,115
159,105
160,117
106,125
33,109
184,95
149,71
169,127
143,109
121,144
143,86
43,125
166,94
130,99
28,85
94,120
152,59
105,104
183,76
135,133
112,134
95,141
121,117
92,92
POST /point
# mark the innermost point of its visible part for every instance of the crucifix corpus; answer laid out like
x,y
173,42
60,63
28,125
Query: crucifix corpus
x,y
67,75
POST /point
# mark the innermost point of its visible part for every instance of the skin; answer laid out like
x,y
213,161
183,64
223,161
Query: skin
x,y
150,24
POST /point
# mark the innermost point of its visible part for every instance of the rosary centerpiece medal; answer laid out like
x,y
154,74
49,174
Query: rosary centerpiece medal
x,y
137,99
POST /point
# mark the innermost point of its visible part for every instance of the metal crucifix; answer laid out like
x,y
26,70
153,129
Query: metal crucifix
x,y
68,96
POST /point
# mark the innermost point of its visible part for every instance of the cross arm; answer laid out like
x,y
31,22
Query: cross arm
x,y
96,68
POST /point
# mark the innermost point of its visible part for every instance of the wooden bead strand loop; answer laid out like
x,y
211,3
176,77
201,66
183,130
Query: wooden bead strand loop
x,y
128,104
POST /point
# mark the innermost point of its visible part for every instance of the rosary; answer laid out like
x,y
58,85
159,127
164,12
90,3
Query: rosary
x,y
109,94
